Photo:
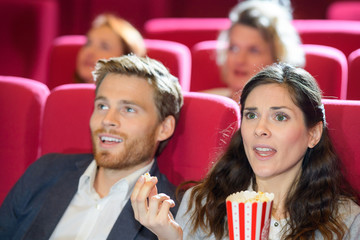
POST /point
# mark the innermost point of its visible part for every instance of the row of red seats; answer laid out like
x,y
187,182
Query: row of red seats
x,y
36,121
29,26
197,69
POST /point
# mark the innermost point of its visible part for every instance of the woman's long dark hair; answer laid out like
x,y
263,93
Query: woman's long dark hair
x,y
313,203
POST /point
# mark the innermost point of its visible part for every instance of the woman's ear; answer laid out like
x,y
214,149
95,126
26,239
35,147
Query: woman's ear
x,y
166,128
315,134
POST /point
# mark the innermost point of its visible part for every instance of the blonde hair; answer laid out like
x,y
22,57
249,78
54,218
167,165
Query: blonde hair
x,y
130,37
274,22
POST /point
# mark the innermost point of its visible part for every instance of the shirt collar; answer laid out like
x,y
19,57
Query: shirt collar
x,y
86,181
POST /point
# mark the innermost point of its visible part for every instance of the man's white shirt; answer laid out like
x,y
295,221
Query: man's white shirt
x,y
90,217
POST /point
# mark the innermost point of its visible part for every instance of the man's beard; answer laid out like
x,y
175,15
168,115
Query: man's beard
x,y
133,153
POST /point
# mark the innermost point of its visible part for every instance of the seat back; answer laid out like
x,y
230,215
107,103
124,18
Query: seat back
x,y
344,10
62,65
327,64
344,129
22,102
65,127
341,34
205,73
28,28
175,56
205,126
329,67
353,90
187,31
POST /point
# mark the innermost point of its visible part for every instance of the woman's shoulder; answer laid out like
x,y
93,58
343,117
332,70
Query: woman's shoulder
x,y
349,211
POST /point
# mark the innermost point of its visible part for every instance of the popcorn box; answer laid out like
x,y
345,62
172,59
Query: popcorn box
x,y
249,215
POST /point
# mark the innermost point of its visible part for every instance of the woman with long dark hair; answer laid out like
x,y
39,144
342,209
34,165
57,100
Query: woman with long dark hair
x,y
283,147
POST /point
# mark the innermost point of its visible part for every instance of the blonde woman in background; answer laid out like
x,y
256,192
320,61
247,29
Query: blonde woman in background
x,y
109,36
260,34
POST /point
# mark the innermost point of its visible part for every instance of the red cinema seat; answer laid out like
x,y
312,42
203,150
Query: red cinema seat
x,y
341,34
344,10
27,28
62,64
175,56
205,126
329,67
67,114
187,31
342,117
353,91
327,64
205,73
22,102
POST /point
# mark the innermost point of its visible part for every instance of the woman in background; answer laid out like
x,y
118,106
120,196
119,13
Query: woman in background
x,y
283,147
109,36
260,34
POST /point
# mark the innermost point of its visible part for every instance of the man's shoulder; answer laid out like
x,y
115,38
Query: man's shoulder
x,y
59,163
59,159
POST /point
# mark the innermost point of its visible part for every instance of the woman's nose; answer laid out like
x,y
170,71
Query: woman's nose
x,y
262,129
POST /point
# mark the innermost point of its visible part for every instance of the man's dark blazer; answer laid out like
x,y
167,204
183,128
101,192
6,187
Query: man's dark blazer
x,y
38,200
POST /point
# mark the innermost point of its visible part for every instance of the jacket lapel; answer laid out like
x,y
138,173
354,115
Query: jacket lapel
x,y
55,205
126,226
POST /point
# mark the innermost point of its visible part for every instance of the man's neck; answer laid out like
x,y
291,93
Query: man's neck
x,y
105,178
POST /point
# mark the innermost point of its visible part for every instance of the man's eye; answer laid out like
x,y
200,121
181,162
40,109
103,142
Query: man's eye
x,y
102,107
129,109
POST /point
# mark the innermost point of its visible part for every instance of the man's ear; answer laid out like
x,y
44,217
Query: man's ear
x,y
166,128
315,134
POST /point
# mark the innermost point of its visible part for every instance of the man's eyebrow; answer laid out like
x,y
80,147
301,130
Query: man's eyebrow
x,y
99,98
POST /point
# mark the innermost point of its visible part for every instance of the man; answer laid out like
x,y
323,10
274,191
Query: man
x,y
86,196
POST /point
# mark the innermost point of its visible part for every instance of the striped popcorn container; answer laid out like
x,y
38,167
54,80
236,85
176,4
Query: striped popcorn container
x,y
249,214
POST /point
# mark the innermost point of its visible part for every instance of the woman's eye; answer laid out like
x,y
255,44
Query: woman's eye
x,y
254,50
281,117
250,115
233,49
105,46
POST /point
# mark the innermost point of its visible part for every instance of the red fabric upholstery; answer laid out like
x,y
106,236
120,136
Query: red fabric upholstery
x,y
28,28
343,35
340,34
62,65
205,127
22,102
187,31
205,73
175,56
328,65
62,60
66,119
353,92
344,129
344,10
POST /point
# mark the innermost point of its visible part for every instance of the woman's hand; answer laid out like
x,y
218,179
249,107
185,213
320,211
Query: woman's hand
x,y
152,210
